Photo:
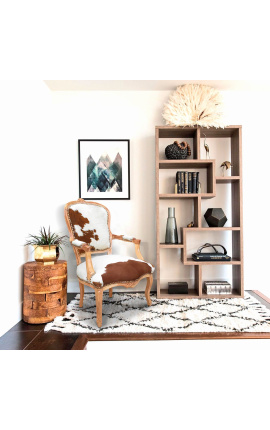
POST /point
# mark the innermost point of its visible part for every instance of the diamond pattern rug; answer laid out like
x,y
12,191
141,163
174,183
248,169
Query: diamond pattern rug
x,y
129,313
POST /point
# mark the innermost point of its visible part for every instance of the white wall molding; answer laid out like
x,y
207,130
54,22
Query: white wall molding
x,y
154,85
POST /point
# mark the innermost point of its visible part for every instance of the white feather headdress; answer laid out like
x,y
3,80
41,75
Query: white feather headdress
x,y
194,104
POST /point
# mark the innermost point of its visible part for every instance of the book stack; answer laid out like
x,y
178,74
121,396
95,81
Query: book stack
x,y
217,287
187,182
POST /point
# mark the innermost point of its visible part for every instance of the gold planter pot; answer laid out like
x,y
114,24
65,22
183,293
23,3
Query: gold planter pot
x,y
46,254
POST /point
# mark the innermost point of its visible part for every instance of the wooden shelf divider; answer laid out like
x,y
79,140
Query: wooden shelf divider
x,y
171,245
187,196
185,164
191,262
227,179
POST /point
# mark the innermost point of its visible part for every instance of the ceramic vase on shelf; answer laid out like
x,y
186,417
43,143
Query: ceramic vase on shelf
x,y
171,228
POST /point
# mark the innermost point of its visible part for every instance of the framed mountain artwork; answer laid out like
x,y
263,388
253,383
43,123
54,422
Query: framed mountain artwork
x,y
104,169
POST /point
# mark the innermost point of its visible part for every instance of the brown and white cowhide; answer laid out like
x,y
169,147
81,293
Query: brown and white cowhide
x,y
114,268
90,225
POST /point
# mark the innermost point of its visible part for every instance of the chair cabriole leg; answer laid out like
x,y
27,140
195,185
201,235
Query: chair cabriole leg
x,y
99,297
81,294
148,288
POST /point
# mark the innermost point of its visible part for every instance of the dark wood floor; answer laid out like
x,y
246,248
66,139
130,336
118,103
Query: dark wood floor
x,y
32,336
25,336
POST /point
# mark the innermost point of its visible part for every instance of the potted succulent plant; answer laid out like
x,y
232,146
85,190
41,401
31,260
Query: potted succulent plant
x,y
46,245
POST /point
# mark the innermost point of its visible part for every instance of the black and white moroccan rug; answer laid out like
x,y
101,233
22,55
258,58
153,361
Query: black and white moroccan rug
x,y
129,313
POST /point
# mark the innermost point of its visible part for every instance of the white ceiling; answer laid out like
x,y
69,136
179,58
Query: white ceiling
x,y
125,85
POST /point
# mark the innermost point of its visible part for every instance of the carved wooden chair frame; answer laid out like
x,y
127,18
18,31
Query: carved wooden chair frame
x,y
85,251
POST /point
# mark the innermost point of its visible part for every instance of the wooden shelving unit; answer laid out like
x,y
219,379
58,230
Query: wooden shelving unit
x,y
234,133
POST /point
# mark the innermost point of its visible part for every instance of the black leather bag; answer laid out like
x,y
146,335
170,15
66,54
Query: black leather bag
x,y
211,256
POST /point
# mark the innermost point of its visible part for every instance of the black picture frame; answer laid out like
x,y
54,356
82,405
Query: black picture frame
x,y
82,193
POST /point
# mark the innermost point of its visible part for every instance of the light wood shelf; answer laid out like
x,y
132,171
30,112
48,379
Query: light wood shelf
x,y
171,246
192,294
185,164
233,132
213,229
187,196
191,262
227,179
166,131
235,294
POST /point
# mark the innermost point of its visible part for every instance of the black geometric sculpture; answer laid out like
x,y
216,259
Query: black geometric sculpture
x,y
215,217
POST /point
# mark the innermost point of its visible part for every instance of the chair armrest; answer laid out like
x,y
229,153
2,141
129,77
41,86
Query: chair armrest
x,y
88,258
126,238
136,242
80,245
89,265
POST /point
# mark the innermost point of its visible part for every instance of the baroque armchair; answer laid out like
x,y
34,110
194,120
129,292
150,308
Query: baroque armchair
x,y
89,227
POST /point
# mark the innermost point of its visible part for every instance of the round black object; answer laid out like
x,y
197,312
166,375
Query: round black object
x,y
177,151
215,217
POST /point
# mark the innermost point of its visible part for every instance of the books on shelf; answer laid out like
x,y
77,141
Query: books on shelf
x,y
182,176
187,182
194,182
217,287
190,183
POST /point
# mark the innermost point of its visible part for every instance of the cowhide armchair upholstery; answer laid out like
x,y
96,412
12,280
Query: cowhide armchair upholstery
x,y
89,228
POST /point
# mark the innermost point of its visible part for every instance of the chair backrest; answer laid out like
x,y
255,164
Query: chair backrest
x,y
89,222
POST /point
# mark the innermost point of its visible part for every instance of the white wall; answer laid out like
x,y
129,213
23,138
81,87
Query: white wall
x,y
39,142
23,135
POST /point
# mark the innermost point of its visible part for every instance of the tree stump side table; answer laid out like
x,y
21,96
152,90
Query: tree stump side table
x,y
45,291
